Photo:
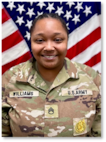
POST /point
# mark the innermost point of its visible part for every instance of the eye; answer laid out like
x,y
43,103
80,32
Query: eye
x,y
58,40
39,41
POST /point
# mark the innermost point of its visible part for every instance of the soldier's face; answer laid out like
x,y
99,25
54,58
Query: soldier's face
x,y
49,43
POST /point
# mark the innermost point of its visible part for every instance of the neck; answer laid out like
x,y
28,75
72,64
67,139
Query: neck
x,y
49,74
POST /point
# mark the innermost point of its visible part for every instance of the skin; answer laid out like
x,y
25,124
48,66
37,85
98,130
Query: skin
x,y
49,38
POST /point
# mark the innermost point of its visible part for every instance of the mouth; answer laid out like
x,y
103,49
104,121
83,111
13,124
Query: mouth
x,y
49,57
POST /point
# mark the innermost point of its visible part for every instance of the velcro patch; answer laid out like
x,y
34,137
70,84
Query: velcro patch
x,y
23,94
51,111
78,92
80,126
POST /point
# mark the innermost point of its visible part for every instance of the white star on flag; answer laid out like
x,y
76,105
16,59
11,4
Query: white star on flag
x,y
59,10
79,6
39,13
67,26
29,24
27,35
20,8
41,4
70,3
30,12
61,2
20,20
68,15
76,18
50,7
31,2
11,5
87,10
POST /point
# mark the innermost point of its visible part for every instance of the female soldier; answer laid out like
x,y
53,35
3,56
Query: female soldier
x,y
51,96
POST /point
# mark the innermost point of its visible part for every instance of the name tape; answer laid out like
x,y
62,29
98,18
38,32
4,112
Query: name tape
x,y
69,92
23,93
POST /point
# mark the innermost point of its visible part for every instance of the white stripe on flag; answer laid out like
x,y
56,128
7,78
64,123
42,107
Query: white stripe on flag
x,y
83,31
8,28
92,50
15,52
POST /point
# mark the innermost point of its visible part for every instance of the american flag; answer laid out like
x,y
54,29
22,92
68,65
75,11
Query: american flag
x,y
82,20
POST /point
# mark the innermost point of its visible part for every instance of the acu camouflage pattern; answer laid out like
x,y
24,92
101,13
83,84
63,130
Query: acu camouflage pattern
x,y
76,116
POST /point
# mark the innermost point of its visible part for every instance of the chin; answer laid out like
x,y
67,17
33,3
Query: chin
x,y
50,67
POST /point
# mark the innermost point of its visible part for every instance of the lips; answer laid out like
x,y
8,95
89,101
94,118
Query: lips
x,y
50,57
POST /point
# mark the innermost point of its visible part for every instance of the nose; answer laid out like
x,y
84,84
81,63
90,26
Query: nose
x,y
49,46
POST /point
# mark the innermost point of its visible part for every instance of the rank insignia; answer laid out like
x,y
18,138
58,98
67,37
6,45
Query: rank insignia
x,y
51,111
80,126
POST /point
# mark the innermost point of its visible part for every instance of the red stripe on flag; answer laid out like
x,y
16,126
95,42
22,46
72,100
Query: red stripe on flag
x,y
5,15
94,60
84,43
21,59
11,40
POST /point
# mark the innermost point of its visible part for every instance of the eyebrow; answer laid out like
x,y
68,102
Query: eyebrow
x,y
41,34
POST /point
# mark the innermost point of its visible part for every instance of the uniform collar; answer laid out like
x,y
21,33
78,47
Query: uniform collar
x,y
26,70
28,73
71,68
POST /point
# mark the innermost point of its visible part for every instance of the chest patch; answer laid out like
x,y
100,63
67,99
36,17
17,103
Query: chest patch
x,y
80,126
78,92
51,111
23,94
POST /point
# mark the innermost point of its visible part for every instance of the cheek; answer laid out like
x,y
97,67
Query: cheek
x,y
35,51
63,48
35,48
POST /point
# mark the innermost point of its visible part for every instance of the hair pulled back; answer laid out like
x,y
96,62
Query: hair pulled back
x,y
49,15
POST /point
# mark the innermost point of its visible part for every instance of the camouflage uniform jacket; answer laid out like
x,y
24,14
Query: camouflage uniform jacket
x,y
69,108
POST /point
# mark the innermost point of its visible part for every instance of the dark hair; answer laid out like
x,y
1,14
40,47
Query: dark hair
x,y
49,15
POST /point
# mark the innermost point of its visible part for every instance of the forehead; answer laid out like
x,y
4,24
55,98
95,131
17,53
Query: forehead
x,y
48,23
